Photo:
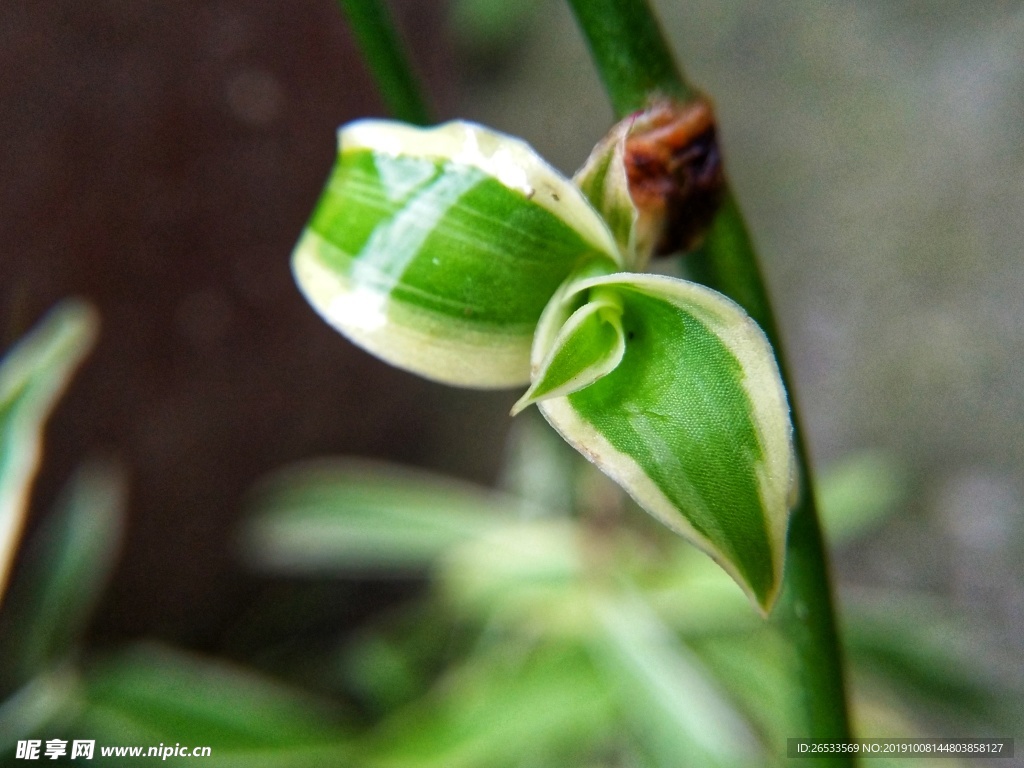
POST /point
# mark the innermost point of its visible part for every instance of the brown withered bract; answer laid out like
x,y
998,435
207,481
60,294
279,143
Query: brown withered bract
x,y
675,171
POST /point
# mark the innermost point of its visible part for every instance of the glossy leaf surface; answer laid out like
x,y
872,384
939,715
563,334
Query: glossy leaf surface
x,y
437,249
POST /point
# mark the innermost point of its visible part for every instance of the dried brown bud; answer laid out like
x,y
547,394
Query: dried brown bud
x,y
675,172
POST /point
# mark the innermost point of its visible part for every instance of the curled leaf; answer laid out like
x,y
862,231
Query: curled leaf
x,y
589,345
437,249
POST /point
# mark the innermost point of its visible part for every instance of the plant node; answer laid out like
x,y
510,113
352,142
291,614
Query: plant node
x,y
675,171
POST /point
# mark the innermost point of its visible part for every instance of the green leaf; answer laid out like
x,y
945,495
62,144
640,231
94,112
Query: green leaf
x,y
527,574
437,249
756,668
693,422
504,707
32,377
680,713
155,693
347,515
934,654
67,565
589,345
38,703
858,493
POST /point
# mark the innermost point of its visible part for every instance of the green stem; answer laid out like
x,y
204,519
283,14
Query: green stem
x,y
728,262
635,64
385,55
631,55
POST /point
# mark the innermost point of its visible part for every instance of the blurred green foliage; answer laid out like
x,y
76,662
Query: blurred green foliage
x,y
32,377
591,638
576,634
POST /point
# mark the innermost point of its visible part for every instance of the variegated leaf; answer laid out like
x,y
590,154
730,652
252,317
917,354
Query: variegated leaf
x,y
692,420
589,345
33,375
437,249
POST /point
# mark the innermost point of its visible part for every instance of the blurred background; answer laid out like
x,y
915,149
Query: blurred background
x,y
160,159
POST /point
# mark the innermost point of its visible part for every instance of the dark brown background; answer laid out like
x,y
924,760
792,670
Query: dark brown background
x,y
160,160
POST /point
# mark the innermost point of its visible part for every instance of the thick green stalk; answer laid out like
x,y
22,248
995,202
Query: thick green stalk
x,y
620,33
636,63
385,55
728,262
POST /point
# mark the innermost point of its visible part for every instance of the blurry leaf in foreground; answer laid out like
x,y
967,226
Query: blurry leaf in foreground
x,y
66,567
678,711
34,705
925,650
526,575
502,709
756,669
353,515
384,669
858,493
33,374
156,694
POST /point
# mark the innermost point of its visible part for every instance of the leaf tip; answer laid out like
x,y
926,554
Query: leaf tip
x,y
521,404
